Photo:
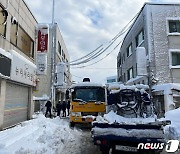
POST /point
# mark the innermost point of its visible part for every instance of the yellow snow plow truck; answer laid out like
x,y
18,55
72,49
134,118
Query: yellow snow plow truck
x,y
87,101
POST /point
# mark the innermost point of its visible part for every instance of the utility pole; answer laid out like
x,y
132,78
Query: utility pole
x,y
53,44
149,78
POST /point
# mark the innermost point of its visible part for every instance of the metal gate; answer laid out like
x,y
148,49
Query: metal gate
x,y
16,104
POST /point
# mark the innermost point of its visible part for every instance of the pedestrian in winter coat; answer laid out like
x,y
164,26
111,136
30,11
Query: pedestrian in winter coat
x,y
48,108
59,108
146,99
68,107
138,96
64,108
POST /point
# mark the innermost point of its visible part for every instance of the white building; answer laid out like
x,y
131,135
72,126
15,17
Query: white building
x,y
150,52
44,64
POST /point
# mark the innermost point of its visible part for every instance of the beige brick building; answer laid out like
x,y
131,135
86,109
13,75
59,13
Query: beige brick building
x,y
17,58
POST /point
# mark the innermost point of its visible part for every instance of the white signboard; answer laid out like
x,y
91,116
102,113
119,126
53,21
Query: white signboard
x,y
41,63
60,74
22,70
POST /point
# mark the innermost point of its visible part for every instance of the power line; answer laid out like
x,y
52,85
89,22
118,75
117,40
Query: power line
x,y
116,67
92,55
87,54
104,56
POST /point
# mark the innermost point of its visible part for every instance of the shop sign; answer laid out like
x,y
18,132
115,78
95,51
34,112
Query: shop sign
x,y
42,39
41,63
22,70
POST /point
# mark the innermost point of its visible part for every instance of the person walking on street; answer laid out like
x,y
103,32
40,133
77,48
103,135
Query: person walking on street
x,y
59,108
48,108
64,108
68,107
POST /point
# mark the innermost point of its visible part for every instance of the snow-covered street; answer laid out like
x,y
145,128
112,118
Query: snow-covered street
x,y
54,136
47,136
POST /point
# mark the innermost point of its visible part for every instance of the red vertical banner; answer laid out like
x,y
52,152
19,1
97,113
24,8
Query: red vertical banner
x,y
42,45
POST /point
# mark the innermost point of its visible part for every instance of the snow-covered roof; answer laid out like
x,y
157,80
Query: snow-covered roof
x,y
166,87
134,79
142,86
162,3
117,86
86,84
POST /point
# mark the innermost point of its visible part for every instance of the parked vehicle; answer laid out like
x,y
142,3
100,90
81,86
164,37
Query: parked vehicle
x,y
124,135
87,101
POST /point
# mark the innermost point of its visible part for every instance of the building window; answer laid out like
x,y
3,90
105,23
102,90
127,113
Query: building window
x,y
174,26
130,73
22,41
59,48
129,50
175,58
140,38
123,58
3,18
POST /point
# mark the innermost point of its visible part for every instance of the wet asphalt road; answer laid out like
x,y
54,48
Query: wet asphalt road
x,y
82,144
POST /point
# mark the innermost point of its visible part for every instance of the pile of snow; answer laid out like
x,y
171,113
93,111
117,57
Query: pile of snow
x,y
40,135
112,117
173,130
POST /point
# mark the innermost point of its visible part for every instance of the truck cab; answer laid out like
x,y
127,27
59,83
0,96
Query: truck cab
x,y
87,101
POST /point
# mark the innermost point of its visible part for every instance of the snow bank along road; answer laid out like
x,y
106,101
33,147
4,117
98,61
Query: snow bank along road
x,y
46,136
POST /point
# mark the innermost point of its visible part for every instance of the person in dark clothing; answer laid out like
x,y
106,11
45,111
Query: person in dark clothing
x,y
68,107
59,108
146,99
138,96
64,108
48,108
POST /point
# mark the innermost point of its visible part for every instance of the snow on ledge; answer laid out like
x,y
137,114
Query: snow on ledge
x,y
43,98
166,87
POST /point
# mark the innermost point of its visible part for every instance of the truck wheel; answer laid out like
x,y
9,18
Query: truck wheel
x,y
72,124
104,150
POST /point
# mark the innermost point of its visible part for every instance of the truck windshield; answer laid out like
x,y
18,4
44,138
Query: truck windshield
x,y
88,94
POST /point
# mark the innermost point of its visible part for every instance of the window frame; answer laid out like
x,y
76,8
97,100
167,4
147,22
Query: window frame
x,y
167,26
170,57
137,36
59,48
128,54
5,24
128,73
17,42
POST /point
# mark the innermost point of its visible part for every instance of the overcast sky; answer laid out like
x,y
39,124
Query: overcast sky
x,y
86,24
